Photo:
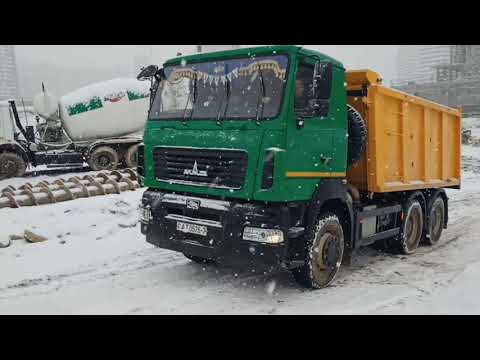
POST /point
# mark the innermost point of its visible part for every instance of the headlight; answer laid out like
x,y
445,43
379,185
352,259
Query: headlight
x,y
268,236
145,214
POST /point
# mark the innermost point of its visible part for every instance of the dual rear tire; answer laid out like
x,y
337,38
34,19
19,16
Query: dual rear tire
x,y
437,217
408,240
107,158
412,232
104,158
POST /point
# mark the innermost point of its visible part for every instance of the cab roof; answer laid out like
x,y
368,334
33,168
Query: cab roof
x,y
245,52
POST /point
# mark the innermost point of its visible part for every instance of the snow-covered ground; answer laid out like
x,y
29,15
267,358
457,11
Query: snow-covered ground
x,y
472,124
96,261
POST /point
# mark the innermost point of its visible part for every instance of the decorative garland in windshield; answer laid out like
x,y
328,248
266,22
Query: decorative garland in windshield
x,y
235,73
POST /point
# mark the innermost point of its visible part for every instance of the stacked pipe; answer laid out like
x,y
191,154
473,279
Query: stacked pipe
x,y
61,190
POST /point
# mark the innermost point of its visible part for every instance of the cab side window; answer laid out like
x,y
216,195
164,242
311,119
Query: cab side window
x,y
304,88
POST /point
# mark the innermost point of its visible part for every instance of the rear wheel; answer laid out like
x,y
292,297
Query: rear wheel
x,y
11,165
437,221
199,260
324,253
103,158
131,156
407,241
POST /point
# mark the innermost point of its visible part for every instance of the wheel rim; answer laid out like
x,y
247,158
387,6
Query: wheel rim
x,y
437,215
436,222
104,161
326,256
413,229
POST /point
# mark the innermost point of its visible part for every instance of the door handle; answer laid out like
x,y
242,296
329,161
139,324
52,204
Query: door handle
x,y
300,123
326,160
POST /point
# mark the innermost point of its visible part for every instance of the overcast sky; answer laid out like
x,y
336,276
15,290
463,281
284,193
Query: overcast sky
x,y
80,65
381,58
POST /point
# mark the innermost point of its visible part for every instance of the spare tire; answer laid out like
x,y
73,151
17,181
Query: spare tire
x,y
357,136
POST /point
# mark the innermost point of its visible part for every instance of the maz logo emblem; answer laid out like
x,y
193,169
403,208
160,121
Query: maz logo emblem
x,y
195,171
193,204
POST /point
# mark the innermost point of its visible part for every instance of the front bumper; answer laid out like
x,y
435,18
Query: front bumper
x,y
225,222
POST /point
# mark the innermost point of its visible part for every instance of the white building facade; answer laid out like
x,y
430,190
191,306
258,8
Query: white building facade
x,y
430,57
8,73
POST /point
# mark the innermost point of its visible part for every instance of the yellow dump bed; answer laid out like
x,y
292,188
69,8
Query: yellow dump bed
x,y
412,143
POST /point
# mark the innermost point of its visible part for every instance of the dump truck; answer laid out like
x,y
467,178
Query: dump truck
x,y
100,124
276,157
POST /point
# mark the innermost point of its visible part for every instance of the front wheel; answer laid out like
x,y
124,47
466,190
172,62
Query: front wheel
x,y
324,252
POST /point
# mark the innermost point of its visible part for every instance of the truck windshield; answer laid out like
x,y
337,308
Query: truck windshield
x,y
232,88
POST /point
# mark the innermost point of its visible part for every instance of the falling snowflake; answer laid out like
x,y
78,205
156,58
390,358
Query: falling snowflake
x,y
271,287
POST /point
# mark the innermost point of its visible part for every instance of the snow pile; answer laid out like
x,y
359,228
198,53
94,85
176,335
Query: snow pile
x,y
471,123
77,233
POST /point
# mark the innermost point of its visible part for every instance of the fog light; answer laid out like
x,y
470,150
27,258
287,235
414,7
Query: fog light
x,y
268,236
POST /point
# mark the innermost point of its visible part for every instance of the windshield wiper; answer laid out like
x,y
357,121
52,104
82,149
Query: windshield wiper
x,y
262,96
193,96
227,99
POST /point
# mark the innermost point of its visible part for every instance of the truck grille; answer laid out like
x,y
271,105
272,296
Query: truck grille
x,y
214,168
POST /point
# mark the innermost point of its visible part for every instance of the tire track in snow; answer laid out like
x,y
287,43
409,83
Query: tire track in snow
x,y
171,271
95,272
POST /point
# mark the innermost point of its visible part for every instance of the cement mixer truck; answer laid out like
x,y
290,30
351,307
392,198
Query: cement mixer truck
x,y
100,124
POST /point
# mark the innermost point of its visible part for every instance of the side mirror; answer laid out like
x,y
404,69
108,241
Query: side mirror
x,y
322,87
160,75
147,73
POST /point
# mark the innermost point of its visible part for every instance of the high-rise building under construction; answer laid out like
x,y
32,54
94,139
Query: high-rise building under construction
x,y
446,74
418,63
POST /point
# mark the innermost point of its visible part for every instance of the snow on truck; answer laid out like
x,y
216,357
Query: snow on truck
x,y
277,158
100,124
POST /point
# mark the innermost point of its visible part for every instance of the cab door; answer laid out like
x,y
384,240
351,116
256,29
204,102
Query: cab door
x,y
311,136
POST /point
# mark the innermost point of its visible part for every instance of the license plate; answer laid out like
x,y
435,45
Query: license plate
x,y
192,228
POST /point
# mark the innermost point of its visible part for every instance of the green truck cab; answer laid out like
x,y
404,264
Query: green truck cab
x,y
245,158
